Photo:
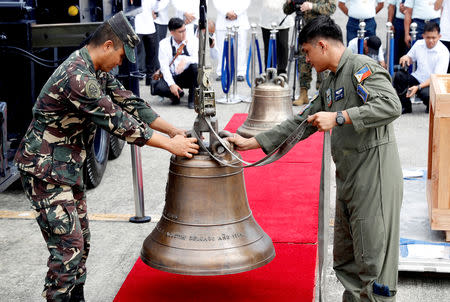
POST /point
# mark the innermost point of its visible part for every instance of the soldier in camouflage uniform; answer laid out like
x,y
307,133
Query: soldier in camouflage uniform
x,y
79,97
359,104
310,10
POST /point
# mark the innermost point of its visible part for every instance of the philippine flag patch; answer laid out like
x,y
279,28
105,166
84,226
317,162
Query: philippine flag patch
x,y
363,73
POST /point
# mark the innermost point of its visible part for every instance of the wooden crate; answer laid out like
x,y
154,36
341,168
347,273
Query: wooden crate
x,y
438,175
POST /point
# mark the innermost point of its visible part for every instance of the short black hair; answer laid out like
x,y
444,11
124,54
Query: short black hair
x,y
320,27
431,26
102,34
175,23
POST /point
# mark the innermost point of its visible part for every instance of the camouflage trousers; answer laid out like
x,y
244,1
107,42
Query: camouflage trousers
x,y
304,70
305,73
65,227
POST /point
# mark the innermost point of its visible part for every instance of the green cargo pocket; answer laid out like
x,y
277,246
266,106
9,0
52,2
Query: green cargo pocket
x,y
60,219
372,235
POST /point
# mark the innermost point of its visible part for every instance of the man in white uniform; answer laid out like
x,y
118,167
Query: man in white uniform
x,y
233,13
431,57
188,10
271,11
444,5
420,12
161,18
372,48
147,50
360,10
397,18
182,71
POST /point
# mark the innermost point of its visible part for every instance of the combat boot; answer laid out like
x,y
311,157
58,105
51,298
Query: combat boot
x,y
77,294
303,98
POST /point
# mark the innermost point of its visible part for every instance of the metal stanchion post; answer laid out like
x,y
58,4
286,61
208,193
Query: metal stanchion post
x,y
389,49
361,34
252,62
136,163
227,99
413,33
138,186
413,67
235,97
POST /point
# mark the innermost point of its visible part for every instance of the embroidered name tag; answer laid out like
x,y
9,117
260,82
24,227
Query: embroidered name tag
x,y
339,94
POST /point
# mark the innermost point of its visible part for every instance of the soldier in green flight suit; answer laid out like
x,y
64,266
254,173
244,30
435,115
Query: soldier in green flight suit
x,y
80,96
358,102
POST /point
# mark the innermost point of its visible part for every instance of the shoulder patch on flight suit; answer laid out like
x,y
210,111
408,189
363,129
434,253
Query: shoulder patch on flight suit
x,y
339,94
329,98
363,73
93,89
362,92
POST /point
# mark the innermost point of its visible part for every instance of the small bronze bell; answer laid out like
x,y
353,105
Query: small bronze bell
x,y
207,227
271,104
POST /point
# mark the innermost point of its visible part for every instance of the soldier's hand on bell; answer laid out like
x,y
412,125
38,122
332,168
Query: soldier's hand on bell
x,y
242,143
176,131
183,146
324,121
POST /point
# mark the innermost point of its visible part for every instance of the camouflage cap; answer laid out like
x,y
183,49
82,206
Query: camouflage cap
x,y
123,29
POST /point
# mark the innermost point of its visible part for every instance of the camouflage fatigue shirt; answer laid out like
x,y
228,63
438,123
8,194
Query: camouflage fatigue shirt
x,y
319,7
74,101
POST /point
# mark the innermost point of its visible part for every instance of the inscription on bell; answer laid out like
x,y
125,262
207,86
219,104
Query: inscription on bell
x,y
201,238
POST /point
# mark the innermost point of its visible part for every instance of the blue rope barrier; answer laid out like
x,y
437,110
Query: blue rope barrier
x,y
361,46
272,55
225,70
247,72
259,57
249,60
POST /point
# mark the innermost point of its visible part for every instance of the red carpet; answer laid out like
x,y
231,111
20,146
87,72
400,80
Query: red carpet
x,y
284,199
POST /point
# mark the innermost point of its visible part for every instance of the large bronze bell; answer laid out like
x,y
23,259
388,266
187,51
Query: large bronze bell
x,y
271,104
207,227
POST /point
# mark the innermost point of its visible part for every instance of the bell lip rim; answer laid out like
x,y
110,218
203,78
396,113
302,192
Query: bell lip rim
x,y
210,272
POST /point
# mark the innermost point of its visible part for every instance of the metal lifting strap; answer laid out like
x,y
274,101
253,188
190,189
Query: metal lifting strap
x,y
282,149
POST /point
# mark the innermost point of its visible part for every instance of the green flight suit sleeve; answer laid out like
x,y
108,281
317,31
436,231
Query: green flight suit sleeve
x,y
85,93
272,138
129,102
382,106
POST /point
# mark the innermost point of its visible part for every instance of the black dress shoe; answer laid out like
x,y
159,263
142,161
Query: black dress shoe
x,y
427,110
219,78
406,110
191,105
240,78
175,101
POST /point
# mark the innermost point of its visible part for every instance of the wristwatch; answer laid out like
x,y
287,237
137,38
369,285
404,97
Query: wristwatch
x,y
340,119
